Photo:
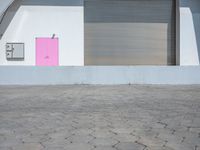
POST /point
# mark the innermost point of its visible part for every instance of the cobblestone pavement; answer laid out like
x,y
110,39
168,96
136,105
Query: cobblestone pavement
x,y
100,118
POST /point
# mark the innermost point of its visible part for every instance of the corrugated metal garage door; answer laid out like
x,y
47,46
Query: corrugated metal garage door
x,y
129,32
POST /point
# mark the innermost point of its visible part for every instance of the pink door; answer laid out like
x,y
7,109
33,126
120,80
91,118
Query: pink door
x,y
47,52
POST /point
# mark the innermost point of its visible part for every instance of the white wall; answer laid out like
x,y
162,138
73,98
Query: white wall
x,y
31,21
189,32
23,23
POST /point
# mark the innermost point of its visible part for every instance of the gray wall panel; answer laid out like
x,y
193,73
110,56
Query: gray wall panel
x,y
129,32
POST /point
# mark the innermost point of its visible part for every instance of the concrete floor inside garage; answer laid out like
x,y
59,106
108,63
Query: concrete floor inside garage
x,y
100,117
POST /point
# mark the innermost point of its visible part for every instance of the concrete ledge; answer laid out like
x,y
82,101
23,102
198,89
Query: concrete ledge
x,y
174,75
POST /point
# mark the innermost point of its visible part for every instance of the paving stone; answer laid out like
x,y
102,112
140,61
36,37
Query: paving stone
x,y
159,148
129,146
182,146
102,133
54,148
9,141
28,146
5,148
122,137
122,130
103,142
151,142
104,148
77,146
80,139
82,131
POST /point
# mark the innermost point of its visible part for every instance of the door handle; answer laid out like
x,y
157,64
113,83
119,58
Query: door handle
x,y
46,57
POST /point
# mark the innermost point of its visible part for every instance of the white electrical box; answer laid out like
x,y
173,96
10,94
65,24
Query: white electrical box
x,y
15,51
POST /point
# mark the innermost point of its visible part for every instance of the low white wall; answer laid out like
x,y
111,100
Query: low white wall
x,y
189,32
107,75
31,21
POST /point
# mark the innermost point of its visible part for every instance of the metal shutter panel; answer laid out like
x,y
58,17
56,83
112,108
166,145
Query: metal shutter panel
x,y
129,32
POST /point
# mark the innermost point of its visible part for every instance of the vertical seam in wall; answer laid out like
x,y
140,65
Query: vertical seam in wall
x,y
177,32
83,2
